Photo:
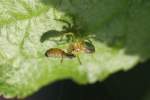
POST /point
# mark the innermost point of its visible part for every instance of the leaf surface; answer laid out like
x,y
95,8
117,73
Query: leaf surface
x,y
121,30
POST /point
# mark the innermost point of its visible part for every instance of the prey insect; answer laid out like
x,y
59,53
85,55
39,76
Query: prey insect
x,y
81,46
58,53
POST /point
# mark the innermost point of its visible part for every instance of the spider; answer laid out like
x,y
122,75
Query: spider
x,y
81,46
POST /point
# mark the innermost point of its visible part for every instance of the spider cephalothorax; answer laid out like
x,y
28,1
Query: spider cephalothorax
x,y
81,46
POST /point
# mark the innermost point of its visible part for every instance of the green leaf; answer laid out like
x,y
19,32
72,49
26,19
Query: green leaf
x,y
121,30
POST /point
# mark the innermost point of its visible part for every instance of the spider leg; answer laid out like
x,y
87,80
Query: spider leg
x,y
69,35
66,22
88,40
61,61
79,59
61,37
57,5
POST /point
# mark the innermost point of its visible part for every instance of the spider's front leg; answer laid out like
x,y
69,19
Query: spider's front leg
x,y
69,35
66,30
66,27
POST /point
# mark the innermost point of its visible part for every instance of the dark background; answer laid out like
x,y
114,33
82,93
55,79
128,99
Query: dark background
x,y
130,85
